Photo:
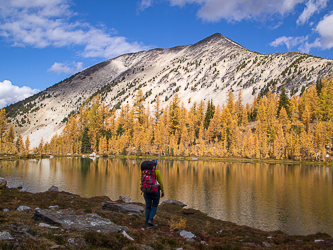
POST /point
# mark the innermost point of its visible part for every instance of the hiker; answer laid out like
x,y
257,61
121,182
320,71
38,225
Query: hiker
x,y
151,186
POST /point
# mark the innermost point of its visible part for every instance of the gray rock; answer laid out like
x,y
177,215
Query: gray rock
x,y
23,208
20,187
54,207
126,199
127,236
186,234
6,210
123,208
54,188
5,236
145,247
65,219
266,244
173,202
3,183
47,225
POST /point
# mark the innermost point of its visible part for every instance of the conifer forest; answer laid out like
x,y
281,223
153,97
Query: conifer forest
x,y
274,126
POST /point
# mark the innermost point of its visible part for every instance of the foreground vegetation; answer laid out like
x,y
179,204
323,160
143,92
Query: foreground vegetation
x,y
210,233
273,127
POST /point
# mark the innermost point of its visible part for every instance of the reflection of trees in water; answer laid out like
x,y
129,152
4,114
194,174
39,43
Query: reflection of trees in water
x,y
287,197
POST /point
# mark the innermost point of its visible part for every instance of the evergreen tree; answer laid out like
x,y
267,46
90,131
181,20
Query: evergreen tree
x,y
86,145
209,113
284,102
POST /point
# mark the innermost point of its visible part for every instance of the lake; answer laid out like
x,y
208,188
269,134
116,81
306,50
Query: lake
x,y
292,198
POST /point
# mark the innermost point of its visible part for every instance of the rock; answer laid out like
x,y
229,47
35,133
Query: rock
x,y
56,207
54,188
173,202
23,208
186,234
145,247
3,183
67,220
194,159
127,236
47,225
266,244
6,210
79,242
20,187
124,208
126,199
5,236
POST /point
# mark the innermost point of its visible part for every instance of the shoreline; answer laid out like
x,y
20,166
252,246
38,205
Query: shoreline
x,y
172,219
180,158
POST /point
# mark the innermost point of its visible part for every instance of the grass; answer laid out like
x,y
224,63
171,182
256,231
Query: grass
x,y
171,218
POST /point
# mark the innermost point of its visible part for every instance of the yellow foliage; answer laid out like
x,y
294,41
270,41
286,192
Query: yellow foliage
x,y
177,224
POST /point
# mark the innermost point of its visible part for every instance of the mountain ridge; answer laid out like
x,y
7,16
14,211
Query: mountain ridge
x,y
205,70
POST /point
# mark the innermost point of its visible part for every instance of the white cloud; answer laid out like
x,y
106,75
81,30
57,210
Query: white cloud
x,y
290,41
10,93
311,8
68,69
145,4
325,30
237,10
40,23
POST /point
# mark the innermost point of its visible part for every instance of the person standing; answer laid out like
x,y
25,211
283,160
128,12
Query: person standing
x,y
152,198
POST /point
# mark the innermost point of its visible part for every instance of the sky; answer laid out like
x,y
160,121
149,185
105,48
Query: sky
x,y
43,42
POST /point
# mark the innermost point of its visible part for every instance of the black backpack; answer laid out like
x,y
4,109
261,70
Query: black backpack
x,y
148,177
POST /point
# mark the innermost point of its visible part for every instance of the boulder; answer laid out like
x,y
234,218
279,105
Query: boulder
x,y
68,220
3,183
186,234
23,208
173,202
5,236
54,188
126,199
124,208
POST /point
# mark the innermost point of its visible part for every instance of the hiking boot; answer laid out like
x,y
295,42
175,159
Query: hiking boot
x,y
150,223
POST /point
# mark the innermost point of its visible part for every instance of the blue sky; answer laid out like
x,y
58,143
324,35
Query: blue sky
x,y
45,41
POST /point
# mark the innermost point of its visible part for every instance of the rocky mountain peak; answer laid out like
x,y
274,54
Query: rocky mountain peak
x,y
206,70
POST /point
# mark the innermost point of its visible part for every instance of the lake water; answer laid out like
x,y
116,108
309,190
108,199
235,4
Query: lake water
x,y
293,198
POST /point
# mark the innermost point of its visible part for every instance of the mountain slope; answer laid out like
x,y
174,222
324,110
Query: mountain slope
x,y
206,70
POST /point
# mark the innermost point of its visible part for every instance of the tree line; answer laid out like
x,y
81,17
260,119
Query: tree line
x,y
273,126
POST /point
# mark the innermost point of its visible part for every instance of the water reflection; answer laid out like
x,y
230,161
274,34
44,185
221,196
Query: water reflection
x,y
292,198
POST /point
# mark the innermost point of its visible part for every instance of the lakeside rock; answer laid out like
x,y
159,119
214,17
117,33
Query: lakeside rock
x,y
68,219
173,202
123,208
54,188
3,183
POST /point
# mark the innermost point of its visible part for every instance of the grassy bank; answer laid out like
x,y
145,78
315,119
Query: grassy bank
x,y
210,233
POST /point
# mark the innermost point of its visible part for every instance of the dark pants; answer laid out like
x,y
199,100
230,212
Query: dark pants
x,y
152,200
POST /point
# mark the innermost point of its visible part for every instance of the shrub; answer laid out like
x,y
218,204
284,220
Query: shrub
x,y
177,224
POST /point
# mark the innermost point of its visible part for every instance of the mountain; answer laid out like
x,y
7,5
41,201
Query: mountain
x,y
206,70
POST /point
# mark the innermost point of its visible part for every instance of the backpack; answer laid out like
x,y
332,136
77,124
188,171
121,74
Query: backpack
x,y
148,177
